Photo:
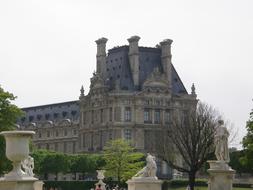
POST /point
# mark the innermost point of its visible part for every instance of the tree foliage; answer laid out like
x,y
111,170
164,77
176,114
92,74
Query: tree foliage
x,y
9,114
50,162
53,162
121,160
190,137
235,162
247,159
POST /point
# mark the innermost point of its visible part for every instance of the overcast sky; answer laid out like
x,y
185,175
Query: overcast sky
x,y
47,48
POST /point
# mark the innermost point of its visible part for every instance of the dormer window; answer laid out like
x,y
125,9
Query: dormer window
x,y
47,116
55,115
64,114
31,118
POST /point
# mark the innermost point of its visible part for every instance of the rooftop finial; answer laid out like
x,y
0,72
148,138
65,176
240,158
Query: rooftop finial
x,y
193,89
82,91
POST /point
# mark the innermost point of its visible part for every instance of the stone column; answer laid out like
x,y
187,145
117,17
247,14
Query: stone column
x,y
134,58
221,176
101,54
166,59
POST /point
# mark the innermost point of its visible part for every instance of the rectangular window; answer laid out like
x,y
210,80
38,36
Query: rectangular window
x,y
56,133
128,134
65,132
48,133
83,140
84,117
127,114
117,114
110,135
74,147
167,117
65,147
110,114
157,116
92,116
56,146
147,116
101,115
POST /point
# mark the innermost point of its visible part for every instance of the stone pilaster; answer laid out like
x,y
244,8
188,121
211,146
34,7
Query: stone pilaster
x,y
134,58
166,59
101,54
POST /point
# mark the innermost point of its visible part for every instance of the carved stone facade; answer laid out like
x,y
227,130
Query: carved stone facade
x,y
56,126
132,95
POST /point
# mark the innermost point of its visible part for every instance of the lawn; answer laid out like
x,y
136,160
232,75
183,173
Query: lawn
x,y
205,188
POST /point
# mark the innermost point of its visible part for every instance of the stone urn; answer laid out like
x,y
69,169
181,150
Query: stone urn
x,y
100,177
17,149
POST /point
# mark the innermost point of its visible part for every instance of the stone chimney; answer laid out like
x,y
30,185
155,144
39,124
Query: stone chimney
x,y
134,58
101,54
166,59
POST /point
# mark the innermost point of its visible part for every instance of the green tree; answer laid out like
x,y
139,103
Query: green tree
x,y
39,156
235,162
9,113
247,159
121,160
55,163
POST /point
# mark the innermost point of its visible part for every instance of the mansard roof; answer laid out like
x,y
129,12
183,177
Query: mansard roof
x,y
51,112
118,70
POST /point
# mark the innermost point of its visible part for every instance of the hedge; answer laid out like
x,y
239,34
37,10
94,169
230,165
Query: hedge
x,y
87,185
70,185
198,182
77,185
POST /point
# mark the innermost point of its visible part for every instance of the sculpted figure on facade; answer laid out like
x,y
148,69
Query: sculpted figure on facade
x,y
221,142
150,169
28,166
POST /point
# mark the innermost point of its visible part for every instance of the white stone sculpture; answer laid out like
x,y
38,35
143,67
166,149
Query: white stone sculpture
x,y
28,166
221,143
100,174
146,177
150,169
221,175
100,184
17,151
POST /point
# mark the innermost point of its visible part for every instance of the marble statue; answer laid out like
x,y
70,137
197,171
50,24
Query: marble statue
x,y
150,169
28,166
221,142
100,174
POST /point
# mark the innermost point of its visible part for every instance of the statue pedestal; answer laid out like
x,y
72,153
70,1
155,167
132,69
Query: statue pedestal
x,y
101,183
144,183
20,184
221,176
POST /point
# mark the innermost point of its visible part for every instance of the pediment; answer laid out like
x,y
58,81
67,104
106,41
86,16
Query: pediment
x,y
156,79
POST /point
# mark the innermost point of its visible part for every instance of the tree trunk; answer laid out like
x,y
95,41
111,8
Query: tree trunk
x,y
192,179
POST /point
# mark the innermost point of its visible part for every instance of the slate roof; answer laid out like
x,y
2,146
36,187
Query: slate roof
x,y
58,111
118,68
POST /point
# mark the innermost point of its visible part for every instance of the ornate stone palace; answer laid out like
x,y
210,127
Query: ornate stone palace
x,y
132,94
